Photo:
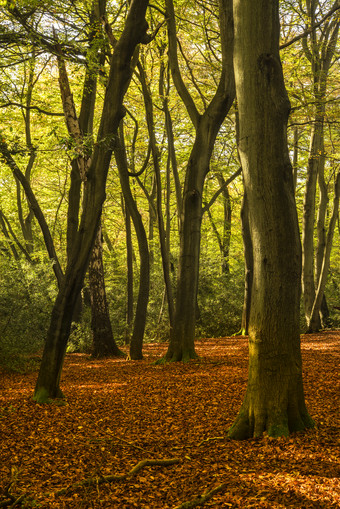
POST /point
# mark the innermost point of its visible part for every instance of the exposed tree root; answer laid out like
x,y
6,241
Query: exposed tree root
x,y
113,478
10,500
201,499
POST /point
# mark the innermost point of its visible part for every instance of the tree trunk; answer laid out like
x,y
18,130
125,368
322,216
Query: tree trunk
x,y
319,49
248,265
316,309
181,346
104,344
308,282
121,68
136,343
274,401
156,156
129,266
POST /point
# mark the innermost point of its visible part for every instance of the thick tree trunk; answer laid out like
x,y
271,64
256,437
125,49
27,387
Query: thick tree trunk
x,y
274,400
134,32
104,344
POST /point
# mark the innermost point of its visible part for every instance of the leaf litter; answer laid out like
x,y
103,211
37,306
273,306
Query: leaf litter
x,y
133,434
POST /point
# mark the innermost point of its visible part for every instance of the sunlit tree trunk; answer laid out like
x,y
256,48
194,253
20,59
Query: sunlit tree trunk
x,y
274,401
129,266
313,322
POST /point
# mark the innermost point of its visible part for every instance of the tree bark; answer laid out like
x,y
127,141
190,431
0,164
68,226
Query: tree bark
x,y
134,32
104,344
181,346
274,401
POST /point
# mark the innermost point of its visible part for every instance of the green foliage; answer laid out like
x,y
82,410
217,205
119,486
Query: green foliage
x,y
80,340
26,297
220,301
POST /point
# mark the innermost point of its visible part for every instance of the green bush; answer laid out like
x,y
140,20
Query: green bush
x,y
27,293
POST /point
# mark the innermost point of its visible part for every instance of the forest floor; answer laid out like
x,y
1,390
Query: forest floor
x,y
119,413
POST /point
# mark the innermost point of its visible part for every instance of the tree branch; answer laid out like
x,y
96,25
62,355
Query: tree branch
x,y
311,29
113,478
221,189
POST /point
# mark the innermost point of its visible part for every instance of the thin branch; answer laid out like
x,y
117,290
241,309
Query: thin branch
x,y
311,29
94,481
31,108
221,189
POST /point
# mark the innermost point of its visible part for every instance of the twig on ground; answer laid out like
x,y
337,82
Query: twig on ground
x,y
112,478
211,438
201,499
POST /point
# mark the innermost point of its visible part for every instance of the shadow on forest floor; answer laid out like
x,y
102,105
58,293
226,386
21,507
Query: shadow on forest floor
x,y
119,413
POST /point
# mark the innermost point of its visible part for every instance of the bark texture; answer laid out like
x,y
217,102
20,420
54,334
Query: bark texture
x,y
274,401
104,344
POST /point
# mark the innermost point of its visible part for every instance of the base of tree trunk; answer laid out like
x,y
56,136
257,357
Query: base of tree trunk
x,y
113,352
43,395
250,424
181,355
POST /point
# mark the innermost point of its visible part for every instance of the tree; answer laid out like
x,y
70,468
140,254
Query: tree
x,y
104,344
206,126
134,33
274,400
319,48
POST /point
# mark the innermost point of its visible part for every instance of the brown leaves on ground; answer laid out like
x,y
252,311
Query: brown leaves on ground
x,y
119,413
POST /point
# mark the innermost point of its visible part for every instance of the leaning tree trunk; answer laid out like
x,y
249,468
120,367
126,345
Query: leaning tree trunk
x,y
104,344
274,401
121,69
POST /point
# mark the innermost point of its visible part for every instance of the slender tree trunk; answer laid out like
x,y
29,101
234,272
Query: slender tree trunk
x,y
274,401
104,344
319,50
121,68
308,281
181,346
136,343
155,155
226,237
316,309
248,265
129,283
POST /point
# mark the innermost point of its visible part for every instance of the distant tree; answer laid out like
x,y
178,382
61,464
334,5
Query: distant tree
x,y
319,48
274,401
